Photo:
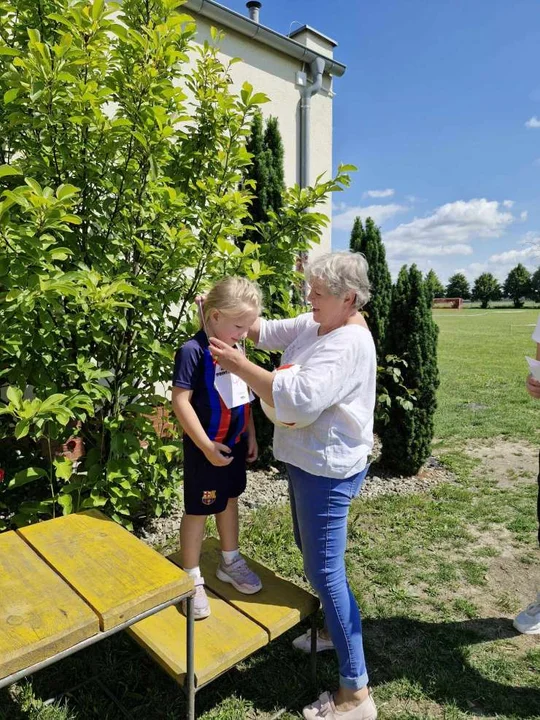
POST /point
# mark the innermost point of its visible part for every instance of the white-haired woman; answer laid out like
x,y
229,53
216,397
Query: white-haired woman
x,y
329,392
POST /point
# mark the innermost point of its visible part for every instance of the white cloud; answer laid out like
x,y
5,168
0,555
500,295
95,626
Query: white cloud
x,y
454,223
419,250
500,264
523,215
516,256
380,213
450,230
389,192
533,122
508,203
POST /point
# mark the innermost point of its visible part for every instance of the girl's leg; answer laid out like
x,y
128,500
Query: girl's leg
x,y
233,568
322,506
227,525
191,537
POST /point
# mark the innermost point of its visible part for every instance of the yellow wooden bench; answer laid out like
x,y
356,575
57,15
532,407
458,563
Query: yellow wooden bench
x,y
68,583
238,626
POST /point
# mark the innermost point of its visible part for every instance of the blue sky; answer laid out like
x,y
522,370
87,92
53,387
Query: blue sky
x,y
440,111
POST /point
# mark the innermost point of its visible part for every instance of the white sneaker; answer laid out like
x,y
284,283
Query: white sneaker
x,y
303,643
528,620
201,606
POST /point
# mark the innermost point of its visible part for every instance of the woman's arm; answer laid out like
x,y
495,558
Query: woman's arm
x,y
279,334
533,386
255,331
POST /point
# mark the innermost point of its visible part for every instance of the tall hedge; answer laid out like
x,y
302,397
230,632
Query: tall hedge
x,y
412,335
367,240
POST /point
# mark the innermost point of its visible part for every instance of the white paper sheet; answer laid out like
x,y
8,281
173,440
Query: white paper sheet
x,y
534,367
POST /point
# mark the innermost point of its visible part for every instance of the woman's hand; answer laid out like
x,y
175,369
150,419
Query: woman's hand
x,y
228,357
533,387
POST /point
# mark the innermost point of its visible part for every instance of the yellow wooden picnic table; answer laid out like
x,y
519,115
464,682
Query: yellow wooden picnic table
x,y
70,582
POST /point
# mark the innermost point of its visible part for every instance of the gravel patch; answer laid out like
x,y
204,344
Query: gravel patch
x,y
268,488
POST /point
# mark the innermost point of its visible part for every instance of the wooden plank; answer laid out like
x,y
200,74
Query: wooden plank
x,y
40,615
279,606
117,574
221,641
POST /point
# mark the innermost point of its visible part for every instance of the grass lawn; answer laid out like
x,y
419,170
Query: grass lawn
x,y
438,574
483,368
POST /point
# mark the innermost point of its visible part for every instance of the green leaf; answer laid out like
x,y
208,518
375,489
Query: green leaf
x,y
12,52
66,501
15,396
97,9
22,428
63,468
27,476
10,95
6,170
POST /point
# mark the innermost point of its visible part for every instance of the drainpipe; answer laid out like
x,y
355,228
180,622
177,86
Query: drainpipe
x,y
307,92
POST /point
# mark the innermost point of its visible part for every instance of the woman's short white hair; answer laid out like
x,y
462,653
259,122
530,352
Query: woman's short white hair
x,y
342,272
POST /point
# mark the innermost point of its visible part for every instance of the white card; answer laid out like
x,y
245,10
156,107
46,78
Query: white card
x,y
232,389
534,367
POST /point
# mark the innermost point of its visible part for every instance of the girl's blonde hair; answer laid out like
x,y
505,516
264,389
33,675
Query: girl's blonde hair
x,y
233,296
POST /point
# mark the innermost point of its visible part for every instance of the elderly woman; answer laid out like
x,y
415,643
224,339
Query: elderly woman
x,y
329,394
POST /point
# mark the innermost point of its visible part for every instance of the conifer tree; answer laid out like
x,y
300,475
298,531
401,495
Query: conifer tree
x,y
266,170
368,241
273,146
412,335
434,286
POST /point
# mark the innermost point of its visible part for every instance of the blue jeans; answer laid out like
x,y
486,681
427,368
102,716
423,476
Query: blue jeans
x,y
320,506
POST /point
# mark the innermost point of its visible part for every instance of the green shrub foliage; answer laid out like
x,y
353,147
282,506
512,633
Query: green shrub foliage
x,y
367,240
412,336
121,200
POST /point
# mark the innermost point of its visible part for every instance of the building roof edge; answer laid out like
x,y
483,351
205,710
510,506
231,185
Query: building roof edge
x,y
245,26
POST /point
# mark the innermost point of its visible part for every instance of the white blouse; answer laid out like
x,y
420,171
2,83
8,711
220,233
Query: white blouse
x,y
536,333
334,389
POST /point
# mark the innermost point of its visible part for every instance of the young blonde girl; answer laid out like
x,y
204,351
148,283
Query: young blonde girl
x,y
213,408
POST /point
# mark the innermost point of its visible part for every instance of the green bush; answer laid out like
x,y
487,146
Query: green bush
x,y
412,335
122,200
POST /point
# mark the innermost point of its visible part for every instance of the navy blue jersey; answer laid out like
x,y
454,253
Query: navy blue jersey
x,y
195,369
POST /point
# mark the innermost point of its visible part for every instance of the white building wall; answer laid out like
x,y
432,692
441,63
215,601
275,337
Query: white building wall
x,y
274,73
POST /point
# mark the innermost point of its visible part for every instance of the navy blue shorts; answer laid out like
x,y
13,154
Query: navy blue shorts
x,y
207,488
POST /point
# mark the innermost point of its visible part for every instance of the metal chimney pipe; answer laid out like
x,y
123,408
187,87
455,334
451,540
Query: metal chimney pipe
x,y
254,6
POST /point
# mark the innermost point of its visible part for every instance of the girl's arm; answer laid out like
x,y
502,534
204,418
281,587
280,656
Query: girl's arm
x,y
253,449
187,417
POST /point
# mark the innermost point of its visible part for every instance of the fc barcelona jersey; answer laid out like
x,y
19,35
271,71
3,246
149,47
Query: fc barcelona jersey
x,y
194,369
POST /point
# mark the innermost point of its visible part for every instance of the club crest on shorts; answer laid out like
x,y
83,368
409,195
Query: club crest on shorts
x,y
209,497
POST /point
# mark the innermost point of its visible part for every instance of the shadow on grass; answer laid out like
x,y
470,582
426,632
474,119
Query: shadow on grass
x,y
431,658
435,657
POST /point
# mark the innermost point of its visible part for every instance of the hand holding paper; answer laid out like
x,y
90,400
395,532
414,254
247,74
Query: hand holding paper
x,y
534,368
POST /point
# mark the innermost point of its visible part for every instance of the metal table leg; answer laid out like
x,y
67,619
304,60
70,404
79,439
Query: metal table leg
x,y
190,660
313,662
